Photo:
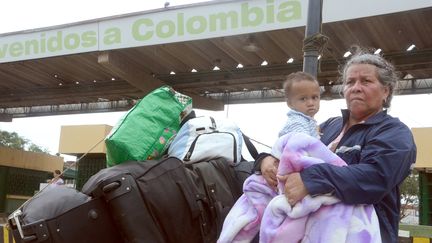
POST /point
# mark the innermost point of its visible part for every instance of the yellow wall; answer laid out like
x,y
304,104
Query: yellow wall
x,y
79,139
423,140
30,160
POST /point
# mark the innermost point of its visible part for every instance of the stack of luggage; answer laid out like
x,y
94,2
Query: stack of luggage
x,y
177,187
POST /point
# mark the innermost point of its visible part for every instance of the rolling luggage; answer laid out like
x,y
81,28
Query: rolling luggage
x,y
167,200
152,201
63,215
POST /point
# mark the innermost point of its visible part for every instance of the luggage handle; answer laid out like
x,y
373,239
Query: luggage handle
x,y
15,220
111,186
117,186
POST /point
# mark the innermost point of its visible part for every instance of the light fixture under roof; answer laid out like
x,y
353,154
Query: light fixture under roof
x,y
290,60
251,45
377,51
193,70
411,47
347,54
113,79
239,65
264,63
77,82
216,64
172,72
408,76
319,57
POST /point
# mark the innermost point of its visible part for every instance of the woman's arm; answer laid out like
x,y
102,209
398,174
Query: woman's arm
x,y
384,162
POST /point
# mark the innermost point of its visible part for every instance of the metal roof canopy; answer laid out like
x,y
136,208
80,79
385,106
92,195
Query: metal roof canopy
x,y
114,79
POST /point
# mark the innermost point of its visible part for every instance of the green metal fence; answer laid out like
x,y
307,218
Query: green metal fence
x,y
88,166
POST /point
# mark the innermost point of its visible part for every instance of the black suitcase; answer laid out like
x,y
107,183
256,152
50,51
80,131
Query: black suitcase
x,y
63,215
152,201
167,200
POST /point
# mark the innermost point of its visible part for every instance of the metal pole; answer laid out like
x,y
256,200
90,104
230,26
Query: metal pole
x,y
313,27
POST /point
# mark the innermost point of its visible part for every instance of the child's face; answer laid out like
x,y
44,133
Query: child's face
x,y
304,97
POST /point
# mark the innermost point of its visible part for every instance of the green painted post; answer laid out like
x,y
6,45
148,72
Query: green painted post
x,y
425,200
3,179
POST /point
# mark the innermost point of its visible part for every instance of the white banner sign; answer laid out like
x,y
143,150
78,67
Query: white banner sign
x,y
184,24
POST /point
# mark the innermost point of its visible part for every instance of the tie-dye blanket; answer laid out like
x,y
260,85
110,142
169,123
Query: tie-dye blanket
x,y
313,219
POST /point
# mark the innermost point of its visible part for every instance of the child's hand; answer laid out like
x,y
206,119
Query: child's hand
x,y
269,167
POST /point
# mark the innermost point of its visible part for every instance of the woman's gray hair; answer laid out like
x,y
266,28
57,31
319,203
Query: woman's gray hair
x,y
386,72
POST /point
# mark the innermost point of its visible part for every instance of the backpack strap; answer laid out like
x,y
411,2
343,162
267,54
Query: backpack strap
x,y
251,148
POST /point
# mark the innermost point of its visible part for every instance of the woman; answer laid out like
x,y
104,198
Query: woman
x,y
378,148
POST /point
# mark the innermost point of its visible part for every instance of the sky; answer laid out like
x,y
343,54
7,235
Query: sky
x,y
259,121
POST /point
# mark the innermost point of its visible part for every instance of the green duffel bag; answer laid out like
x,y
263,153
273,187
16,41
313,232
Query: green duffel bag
x,y
146,130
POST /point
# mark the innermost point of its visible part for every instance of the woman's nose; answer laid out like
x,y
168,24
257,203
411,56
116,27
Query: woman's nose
x,y
356,86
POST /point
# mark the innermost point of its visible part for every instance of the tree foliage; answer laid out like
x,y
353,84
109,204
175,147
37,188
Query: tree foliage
x,y
409,190
13,140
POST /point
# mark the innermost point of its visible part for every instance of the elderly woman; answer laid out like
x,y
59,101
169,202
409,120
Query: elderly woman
x,y
378,148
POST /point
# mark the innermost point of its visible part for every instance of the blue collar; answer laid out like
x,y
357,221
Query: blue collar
x,y
378,117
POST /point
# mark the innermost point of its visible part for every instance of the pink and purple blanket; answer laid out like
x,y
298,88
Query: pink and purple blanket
x,y
314,219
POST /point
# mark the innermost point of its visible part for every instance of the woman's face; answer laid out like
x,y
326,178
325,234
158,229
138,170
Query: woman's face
x,y
363,92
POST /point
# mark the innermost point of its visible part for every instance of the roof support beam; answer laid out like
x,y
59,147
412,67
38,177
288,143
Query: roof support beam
x,y
133,74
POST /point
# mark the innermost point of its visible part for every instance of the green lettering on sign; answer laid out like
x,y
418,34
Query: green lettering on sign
x,y
31,46
54,43
289,10
222,19
72,41
196,25
89,39
256,13
165,29
16,49
137,25
112,36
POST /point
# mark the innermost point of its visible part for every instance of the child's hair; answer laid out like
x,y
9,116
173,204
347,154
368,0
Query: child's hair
x,y
296,77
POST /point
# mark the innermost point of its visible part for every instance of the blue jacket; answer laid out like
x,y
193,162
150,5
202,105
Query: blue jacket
x,y
380,153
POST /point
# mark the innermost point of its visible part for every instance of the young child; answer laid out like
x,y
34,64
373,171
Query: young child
x,y
302,94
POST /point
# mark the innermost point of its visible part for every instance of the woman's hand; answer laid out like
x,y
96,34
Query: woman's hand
x,y
269,167
295,189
